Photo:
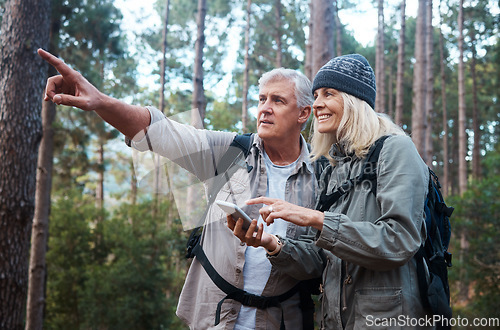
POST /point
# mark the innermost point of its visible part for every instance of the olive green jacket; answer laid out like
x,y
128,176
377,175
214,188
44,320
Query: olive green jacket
x,y
369,240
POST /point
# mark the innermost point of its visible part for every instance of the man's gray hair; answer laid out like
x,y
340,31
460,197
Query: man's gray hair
x,y
303,85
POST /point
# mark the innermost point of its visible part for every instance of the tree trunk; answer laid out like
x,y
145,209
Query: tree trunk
x,y
198,91
197,117
476,161
164,58
322,46
418,122
380,59
133,183
39,235
162,108
390,97
278,35
25,27
338,28
244,103
401,68
462,138
99,193
463,293
429,98
308,67
445,177
40,231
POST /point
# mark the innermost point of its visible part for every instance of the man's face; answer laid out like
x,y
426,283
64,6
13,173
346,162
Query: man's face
x,y
278,117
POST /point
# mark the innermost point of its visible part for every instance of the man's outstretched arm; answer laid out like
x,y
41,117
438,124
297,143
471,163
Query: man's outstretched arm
x,y
72,89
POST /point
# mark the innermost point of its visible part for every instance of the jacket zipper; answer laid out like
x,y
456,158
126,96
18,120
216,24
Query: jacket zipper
x,y
347,280
322,290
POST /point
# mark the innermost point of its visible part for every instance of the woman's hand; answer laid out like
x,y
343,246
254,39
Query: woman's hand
x,y
254,236
277,208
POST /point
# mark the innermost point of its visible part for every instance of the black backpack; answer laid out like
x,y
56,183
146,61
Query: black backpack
x,y
233,159
433,258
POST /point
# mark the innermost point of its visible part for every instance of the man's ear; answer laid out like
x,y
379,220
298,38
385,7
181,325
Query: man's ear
x,y
304,114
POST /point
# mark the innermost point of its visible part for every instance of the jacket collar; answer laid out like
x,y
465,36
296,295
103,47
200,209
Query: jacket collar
x,y
304,159
338,153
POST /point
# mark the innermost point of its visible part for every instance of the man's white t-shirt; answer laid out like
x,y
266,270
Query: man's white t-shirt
x,y
257,267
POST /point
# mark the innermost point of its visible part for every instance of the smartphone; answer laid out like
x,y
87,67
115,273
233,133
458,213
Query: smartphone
x,y
236,212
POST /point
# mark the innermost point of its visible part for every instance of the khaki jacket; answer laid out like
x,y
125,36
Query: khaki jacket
x,y
369,276
200,296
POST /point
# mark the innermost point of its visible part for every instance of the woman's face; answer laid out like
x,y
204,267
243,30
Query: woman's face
x,y
328,109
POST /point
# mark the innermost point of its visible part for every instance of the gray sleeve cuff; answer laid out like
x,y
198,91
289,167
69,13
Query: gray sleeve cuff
x,y
330,232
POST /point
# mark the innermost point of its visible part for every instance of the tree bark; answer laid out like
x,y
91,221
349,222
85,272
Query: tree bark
x,y
401,68
462,138
164,57
476,161
163,66
308,67
380,61
244,103
198,91
25,27
338,28
446,162
322,46
429,98
278,35
463,294
390,96
40,232
197,117
418,122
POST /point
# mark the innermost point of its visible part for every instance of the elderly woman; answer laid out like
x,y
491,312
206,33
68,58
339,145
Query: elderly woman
x,y
370,234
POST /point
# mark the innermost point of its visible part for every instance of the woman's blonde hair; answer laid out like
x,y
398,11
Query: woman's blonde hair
x,y
359,128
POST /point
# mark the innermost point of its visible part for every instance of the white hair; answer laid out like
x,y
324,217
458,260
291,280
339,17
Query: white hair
x,y
303,85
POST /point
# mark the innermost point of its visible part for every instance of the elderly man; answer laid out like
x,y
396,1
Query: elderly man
x,y
277,166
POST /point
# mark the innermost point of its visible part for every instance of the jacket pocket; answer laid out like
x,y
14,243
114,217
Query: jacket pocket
x,y
378,308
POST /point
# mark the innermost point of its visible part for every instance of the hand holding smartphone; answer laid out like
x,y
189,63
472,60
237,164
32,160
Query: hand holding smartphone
x,y
236,212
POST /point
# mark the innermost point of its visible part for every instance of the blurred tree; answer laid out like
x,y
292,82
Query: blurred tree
x,y
40,230
418,118
429,85
322,37
442,64
244,103
401,66
462,134
380,60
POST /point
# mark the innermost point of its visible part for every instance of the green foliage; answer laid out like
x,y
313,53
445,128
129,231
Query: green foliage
x,y
69,253
124,272
477,213
224,116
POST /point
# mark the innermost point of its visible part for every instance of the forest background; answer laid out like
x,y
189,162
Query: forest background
x,y
90,235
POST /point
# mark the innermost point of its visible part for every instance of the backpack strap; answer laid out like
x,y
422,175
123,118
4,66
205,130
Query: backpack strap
x,y
240,146
368,172
228,165
319,164
232,292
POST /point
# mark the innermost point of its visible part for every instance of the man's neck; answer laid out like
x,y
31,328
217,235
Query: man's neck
x,y
283,153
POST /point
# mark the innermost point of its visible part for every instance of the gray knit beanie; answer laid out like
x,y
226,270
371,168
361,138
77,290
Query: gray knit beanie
x,y
351,74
